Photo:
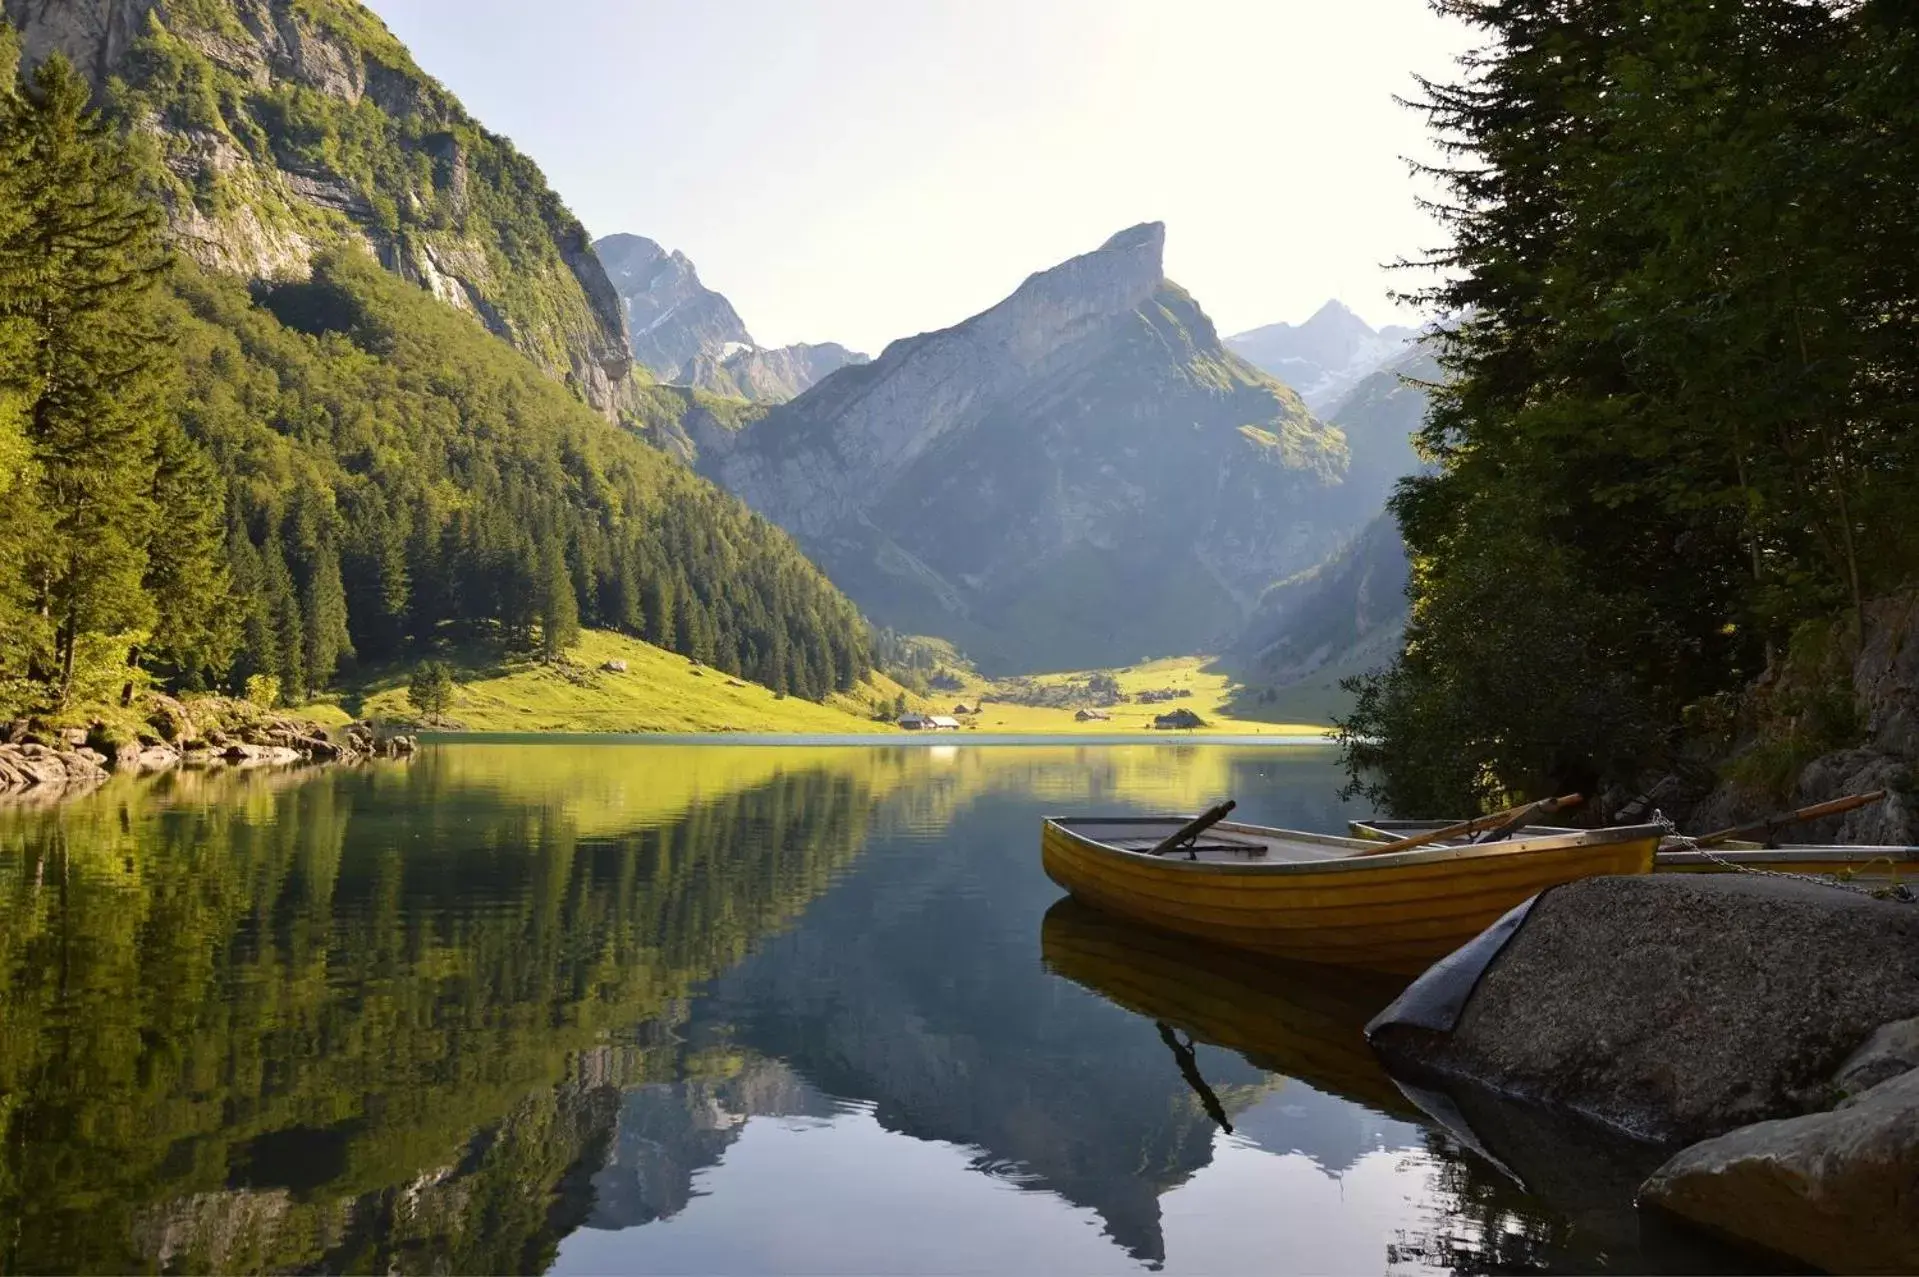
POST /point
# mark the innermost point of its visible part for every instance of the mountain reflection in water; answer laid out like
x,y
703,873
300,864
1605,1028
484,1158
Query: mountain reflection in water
x,y
519,1006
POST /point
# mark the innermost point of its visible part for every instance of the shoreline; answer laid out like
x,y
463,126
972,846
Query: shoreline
x,y
823,739
43,763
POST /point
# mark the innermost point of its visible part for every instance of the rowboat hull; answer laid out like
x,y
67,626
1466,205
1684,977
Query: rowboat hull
x,y
1889,863
1397,912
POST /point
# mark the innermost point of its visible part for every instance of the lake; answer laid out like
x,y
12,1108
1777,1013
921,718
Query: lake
x,y
525,1006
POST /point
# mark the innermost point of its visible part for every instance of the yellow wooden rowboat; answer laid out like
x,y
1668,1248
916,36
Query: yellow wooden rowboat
x,y
1861,860
1311,897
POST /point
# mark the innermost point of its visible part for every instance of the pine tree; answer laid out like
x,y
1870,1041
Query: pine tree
x,y
324,637
197,616
559,610
96,383
286,627
22,630
662,611
258,649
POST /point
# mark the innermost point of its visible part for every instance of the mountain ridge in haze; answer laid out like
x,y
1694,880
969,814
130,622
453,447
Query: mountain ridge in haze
x,y
1324,357
1348,612
688,334
1081,475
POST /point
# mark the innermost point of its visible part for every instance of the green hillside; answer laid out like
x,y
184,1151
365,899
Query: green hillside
x,y
286,127
657,691
217,484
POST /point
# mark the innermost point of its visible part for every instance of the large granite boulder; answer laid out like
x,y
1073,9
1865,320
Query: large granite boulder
x,y
1838,1189
1675,1007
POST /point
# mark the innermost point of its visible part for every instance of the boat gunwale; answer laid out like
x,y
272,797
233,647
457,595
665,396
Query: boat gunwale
x,y
1738,852
1576,840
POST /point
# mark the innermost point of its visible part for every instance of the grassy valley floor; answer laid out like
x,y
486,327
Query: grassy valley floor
x,y
660,691
1211,694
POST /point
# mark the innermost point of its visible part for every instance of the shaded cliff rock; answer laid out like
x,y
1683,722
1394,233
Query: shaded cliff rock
x,y
287,125
1675,1007
1869,700
671,317
1081,475
767,376
1325,357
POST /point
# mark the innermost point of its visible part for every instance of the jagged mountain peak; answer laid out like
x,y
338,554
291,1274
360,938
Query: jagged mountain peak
x,y
688,334
672,318
1337,316
1150,236
1113,278
1079,475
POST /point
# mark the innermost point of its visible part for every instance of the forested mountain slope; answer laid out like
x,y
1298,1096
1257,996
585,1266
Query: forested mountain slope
x,y
364,425
287,125
221,482
1080,476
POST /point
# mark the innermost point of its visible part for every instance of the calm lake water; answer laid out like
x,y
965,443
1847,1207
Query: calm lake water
x,y
687,1009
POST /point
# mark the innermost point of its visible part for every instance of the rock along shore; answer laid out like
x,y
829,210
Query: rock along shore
x,y
43,762
1763,1031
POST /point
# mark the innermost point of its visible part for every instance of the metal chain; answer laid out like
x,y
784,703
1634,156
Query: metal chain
x,y
1897,891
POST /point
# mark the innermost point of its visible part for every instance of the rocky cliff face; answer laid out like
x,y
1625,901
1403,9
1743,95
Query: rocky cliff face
x,y
1325,357
1768,770
1081,475
689,335
287,125
767,376
672,318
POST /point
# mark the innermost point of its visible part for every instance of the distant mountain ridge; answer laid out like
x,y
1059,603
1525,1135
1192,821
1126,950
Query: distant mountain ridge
x,y
1324,357
1081,475
1348,612
671,317
687,334
766,376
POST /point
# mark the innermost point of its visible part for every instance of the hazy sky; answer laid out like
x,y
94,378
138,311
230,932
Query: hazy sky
x,y
859,170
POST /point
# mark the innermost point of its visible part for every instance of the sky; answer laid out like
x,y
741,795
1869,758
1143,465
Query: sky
x,y
861,170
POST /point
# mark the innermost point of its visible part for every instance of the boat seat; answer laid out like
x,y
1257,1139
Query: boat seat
x,y
1206,842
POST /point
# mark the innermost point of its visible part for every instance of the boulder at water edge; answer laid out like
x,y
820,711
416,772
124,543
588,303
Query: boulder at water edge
x,y
1675,1007
1838,1189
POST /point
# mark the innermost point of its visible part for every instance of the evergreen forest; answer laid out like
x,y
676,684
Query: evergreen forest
x,y
1674,456
207,484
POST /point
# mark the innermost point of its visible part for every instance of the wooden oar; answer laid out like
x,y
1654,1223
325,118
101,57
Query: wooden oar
x,y
1524,817
1507,821
1193,828
1851,802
